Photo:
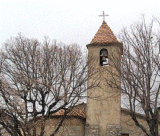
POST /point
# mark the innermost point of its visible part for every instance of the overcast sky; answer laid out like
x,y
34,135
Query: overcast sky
x,y
69,21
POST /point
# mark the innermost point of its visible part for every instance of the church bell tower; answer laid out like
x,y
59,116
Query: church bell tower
x,y
104,102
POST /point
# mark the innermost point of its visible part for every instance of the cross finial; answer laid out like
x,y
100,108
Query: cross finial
x,y
103,15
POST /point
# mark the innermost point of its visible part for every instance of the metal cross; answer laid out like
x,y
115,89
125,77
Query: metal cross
x,y
103,15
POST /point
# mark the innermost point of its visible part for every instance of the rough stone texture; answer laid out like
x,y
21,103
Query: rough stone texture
x,y
71,127
113,130
70,131
92,130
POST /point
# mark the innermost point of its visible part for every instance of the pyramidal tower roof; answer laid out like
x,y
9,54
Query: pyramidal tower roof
x,y
104,35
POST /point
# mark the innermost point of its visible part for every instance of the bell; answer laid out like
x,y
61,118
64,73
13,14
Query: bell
x,y
103,58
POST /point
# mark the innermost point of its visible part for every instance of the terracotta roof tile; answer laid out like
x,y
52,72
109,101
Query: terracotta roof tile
x,y
77,111
104,35
80,111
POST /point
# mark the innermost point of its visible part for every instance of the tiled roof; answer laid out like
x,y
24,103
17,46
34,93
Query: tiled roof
x,y
80,111
104,35
77,111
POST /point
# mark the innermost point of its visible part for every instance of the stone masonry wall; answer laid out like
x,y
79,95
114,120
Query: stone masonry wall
x,y
92,130
113,130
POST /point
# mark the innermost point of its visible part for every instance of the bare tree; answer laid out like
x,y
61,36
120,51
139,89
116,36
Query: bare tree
x,y
38,80
139,73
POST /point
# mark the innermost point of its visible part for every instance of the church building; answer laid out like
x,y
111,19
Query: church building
x,y
102,115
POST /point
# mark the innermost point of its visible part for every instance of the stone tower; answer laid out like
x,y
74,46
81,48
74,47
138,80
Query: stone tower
x,y
104,102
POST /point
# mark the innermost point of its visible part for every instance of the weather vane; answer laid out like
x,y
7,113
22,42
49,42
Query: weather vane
x,y
103,15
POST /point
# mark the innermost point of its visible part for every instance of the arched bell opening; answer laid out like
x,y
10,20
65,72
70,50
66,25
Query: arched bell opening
x,y
103,57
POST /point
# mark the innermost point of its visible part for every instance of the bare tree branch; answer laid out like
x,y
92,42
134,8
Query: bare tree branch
x,y
139,73
38,80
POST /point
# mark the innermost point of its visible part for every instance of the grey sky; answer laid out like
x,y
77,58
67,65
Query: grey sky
x,y
69,21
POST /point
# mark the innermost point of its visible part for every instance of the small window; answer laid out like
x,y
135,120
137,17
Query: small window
x,y
103,57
